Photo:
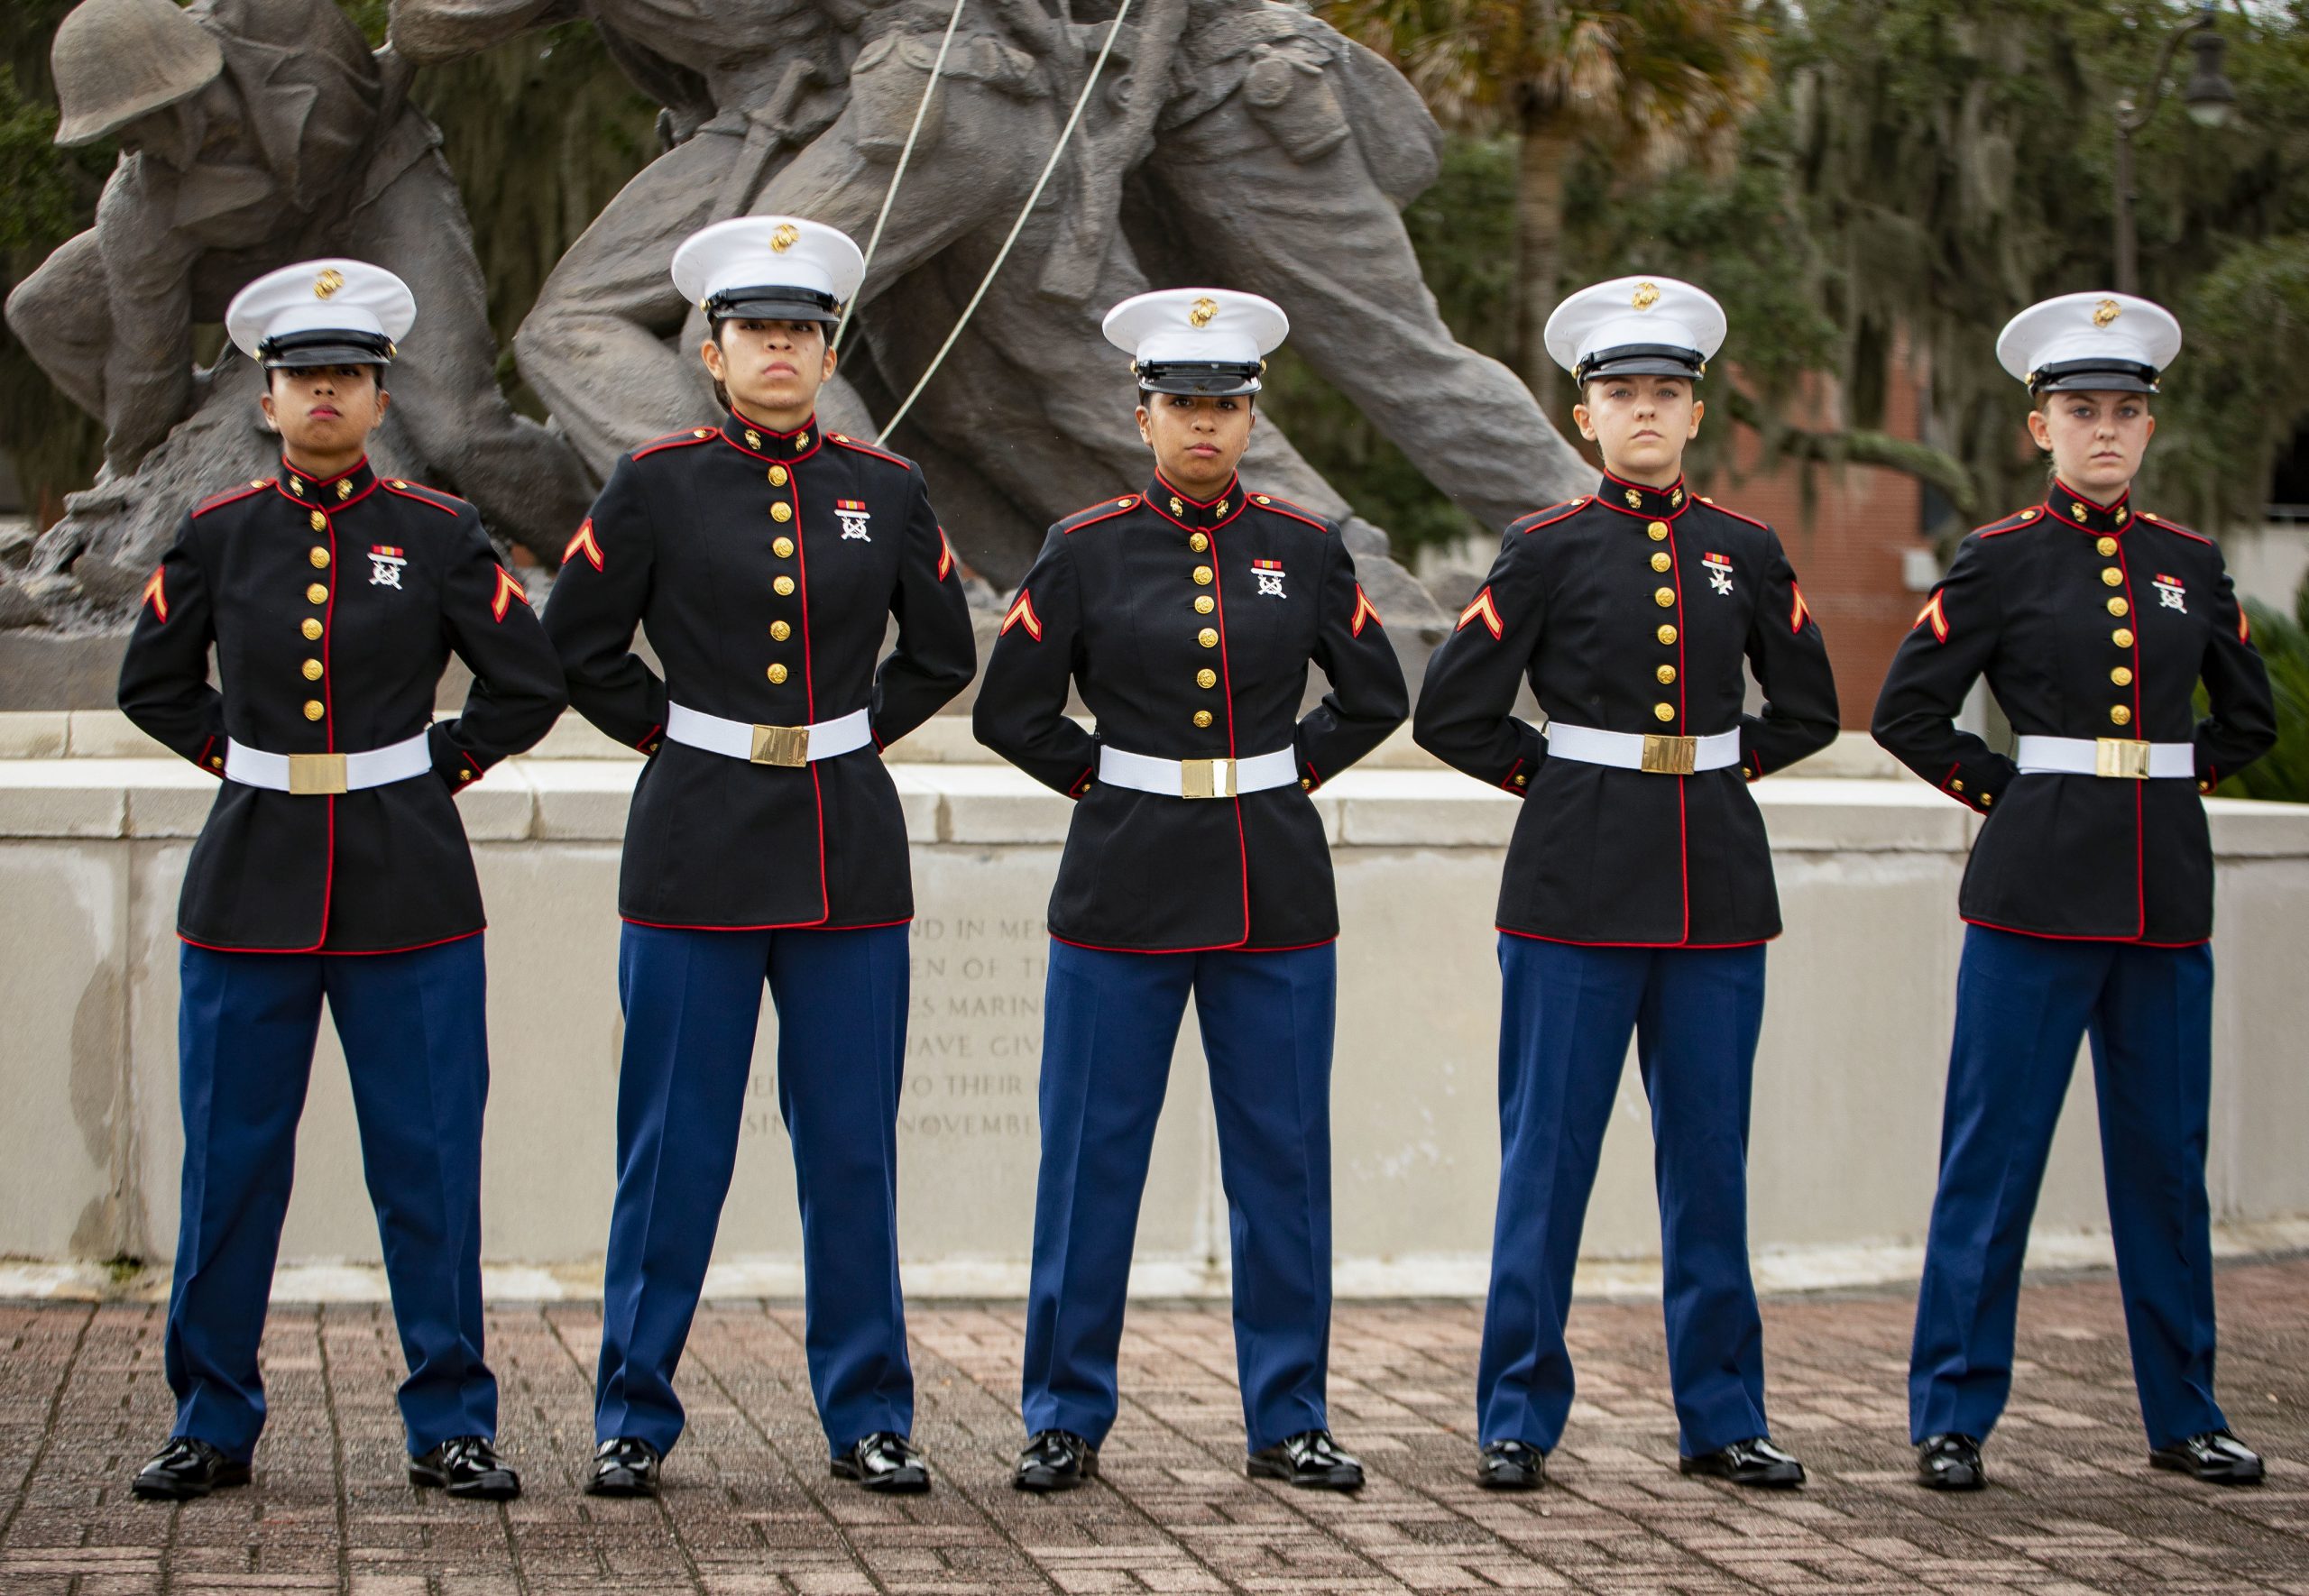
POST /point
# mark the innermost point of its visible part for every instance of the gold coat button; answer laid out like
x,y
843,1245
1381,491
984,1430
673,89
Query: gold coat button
x,y
1663,711
2111,576
1666,674
2118,606
311,629
1666,633
1665,597
777,476
781,511
319,557
319,521
2122,676
2119,714
312,668
2121,636
777,673
1204,603
1206,637
1523,781
1957,785
783,548
1659,561
318,594
1206,678
2107,547
1202,574
1202,717
1198,542
780,630
1657,531
783,587
313,711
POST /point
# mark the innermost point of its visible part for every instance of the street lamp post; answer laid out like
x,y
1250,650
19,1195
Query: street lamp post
x,y
2210,100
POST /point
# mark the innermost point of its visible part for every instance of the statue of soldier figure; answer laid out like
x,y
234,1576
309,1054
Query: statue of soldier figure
x,y
252,133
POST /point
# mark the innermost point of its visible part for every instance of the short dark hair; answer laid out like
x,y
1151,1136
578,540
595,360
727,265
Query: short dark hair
x,y
1147,396
376,373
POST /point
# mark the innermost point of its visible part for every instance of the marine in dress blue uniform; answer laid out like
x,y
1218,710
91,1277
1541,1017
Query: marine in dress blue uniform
x,y
1195,862
2089,896
332,863
1638,890
765,841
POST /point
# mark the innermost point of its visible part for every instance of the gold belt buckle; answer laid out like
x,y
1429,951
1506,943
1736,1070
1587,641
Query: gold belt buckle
x,y
788,746
1206,778
1670,755
2126,759
313,775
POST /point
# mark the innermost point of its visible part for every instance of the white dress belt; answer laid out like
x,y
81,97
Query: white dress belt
x,y
1631,750
788,746
307,774
1197,778
2127,758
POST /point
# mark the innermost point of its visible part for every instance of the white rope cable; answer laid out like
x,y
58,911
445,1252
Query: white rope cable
x,y
1017,227
921,110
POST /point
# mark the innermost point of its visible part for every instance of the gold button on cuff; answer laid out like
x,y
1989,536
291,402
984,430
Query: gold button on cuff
x,y
319,557
2122,676
1202,574
2119,714
2121,636
1206,637
2106,546
313,711
1202,717
1664,597
1663,711
780,631
1957,785
2111,576
777,476
311,629
777,673
2118,606
464,776
783,587
1198,542
312,669
1660,562
1666,674
1666,633
1206,678
781,511
783,548
1204,604
319,521
318,594
1657,531
1523,781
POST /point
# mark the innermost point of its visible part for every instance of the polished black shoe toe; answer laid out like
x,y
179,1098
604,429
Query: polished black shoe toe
x,y
1054,1460
468,1468
2216,1456
1950,1462
186,1467
886,1462
1310,1459
1511,1465
1755,1463
624,1466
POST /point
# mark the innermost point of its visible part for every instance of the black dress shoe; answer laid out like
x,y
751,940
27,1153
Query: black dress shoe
x,y
1311,1460
1754,1461
1950,1462
884,1461
468,1468
185,1468
624,1466
2216,1456
1511,1465
1055,1459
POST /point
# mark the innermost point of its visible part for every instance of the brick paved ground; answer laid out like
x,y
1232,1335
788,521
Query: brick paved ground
x,y
748,1507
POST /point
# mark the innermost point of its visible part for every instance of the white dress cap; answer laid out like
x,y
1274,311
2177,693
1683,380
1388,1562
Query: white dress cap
x,y
2109,342
1198,341
322,313
1635,327
769,269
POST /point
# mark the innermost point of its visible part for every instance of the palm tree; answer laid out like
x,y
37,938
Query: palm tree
x,y
1649,85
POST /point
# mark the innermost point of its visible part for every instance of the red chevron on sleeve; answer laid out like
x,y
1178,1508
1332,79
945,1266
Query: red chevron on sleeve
x,y
2244,627
1484,610
1364,611
508,590
1022,613
1798,613
156,593
945,555
1938,617
584,544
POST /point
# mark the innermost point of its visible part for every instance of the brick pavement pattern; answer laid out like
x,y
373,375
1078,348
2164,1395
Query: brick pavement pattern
x,y
748,1510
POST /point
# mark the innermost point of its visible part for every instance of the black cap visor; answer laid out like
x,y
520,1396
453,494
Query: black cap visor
x,y
2094,376
773,304
1202,379
326,347
1641,360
